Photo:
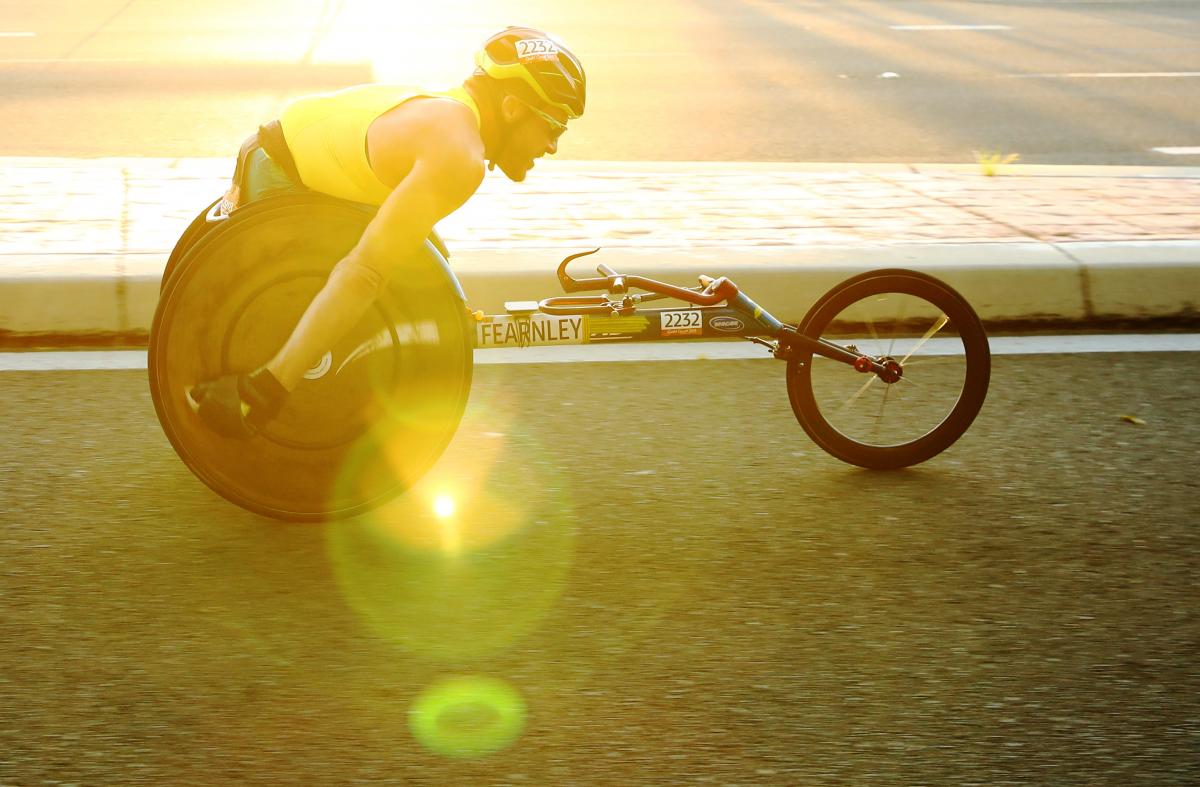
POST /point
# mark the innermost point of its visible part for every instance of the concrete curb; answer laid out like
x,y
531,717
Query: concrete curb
x,y
1018,273
1023,285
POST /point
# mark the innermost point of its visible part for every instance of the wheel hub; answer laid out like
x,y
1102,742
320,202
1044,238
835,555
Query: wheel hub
x,y
890,372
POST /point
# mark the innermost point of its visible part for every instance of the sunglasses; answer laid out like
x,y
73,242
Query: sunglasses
x,y
557,127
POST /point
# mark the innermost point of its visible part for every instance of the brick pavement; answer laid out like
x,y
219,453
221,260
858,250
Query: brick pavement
x,y
83,242
138,206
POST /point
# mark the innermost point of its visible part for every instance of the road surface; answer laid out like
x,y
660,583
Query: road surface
x,y
676,583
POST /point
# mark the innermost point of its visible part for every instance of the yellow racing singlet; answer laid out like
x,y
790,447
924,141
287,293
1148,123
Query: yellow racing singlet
x,y
327,135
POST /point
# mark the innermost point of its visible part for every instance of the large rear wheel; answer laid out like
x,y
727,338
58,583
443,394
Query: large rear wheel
x,y
368,419
205,220
938,361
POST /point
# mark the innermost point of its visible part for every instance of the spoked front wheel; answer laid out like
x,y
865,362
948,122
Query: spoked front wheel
x,y
937,364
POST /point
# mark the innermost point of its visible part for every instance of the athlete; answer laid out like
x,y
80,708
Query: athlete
x,y
418,156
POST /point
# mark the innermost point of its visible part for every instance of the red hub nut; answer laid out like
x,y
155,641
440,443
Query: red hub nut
x,y
892,371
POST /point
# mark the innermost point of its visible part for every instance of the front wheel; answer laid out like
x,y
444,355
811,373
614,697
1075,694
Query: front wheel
x,y
939,364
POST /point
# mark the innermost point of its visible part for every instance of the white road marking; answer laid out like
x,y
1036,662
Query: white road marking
x,y
135,360
950,27
734,350
1109,75
17,35
73,361
71,60
1195,151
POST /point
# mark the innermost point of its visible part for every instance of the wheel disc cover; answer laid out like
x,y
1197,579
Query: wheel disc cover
x,y
386,399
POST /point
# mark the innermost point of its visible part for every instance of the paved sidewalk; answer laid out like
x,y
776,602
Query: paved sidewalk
x,y
83,242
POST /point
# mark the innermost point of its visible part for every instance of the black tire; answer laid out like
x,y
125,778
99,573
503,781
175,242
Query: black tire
x,y
208,220
200,225
376,413
918,321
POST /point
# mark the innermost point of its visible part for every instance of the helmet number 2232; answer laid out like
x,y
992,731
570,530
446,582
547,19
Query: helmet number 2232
x,y
536,46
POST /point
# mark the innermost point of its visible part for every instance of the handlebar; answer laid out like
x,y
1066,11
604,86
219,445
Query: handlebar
x,y
715,290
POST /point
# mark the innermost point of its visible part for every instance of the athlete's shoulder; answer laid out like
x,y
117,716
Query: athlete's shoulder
x,y
446,124
431,118
438,131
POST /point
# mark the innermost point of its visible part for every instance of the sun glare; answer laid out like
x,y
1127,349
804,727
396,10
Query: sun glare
x,y
411,43
443,506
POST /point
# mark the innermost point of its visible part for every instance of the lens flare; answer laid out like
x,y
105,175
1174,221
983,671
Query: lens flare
x,y
473,556
467,717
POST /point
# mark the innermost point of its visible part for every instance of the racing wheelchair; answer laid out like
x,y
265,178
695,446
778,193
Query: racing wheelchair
x,y
886,370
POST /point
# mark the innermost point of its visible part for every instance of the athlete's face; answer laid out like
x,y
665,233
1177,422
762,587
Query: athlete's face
x,y
533,133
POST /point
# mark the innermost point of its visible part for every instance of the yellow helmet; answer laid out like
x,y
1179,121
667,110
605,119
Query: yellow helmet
x,y
539,60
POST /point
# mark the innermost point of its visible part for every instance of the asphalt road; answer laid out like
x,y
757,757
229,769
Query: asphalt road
x,y
1056,82
678,586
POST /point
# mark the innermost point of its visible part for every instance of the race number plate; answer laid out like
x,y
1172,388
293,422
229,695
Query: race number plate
x,y
536,49
531,331
681,323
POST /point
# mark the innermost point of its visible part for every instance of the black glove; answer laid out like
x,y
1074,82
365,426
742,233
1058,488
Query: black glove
x,y
238,405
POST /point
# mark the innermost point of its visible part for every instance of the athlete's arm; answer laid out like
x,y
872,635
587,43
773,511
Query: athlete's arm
x,y
442,178
446,170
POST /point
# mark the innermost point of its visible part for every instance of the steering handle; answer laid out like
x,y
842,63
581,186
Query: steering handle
x,y
720,290
577,285
715,290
